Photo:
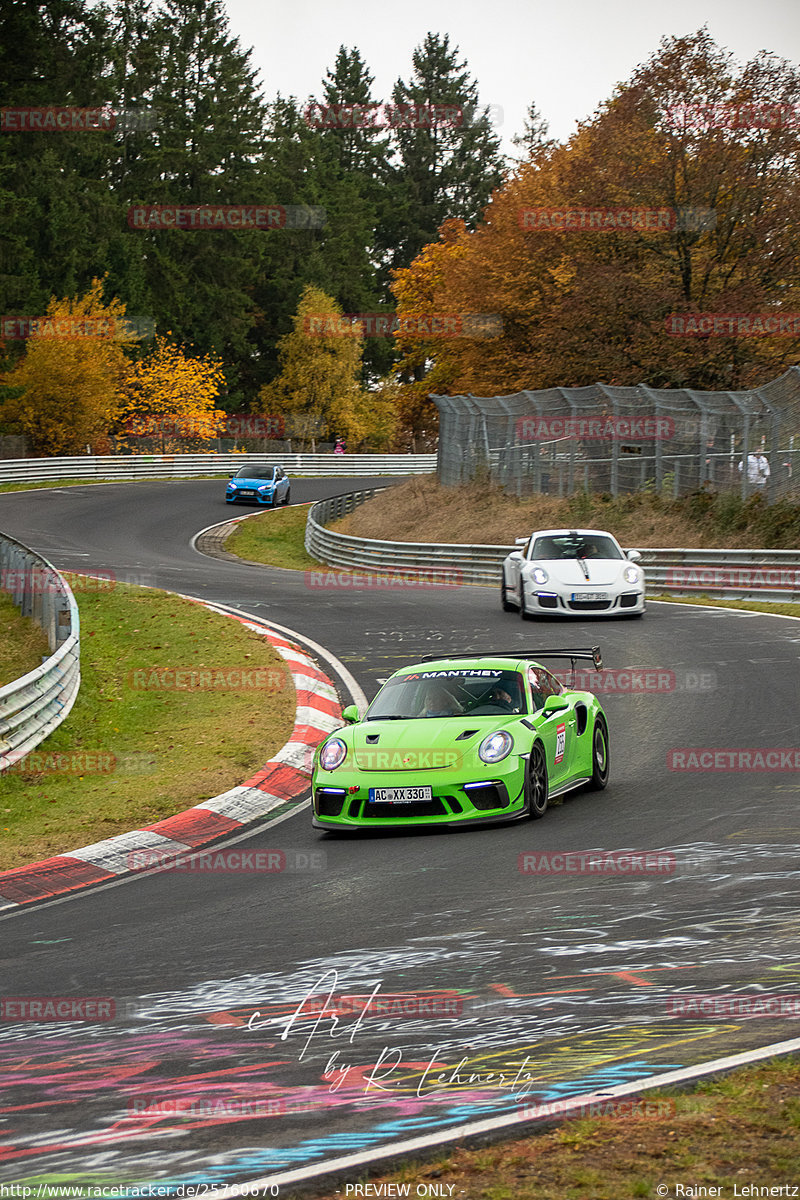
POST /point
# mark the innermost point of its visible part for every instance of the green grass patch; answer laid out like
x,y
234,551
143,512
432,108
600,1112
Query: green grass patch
x,y
739,1130
135,749
23,644
274,538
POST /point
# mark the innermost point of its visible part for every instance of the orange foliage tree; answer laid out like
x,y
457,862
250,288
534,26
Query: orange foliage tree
x,y
580,305
69,382
171,397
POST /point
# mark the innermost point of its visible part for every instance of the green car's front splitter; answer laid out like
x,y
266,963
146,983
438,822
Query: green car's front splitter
x,y
343,801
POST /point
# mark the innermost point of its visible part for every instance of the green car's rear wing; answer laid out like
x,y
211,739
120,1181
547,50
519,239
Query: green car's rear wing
x,y
589,652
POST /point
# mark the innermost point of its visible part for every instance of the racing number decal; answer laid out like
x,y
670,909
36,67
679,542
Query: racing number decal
x,y
561,741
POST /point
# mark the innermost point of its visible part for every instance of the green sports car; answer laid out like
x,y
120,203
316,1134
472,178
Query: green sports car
x,y
463,739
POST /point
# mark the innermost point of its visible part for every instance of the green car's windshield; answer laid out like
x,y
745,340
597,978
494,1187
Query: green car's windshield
x,y
454,692
566,546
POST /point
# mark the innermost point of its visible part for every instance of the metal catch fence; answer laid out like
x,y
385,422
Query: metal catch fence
x,y
626,439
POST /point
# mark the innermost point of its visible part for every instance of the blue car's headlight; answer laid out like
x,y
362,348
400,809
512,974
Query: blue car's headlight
x,y
265,487
332,754
496,747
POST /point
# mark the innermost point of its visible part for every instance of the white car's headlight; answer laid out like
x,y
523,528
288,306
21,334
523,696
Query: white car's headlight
x,y
539,575
496,747
631,575
332,754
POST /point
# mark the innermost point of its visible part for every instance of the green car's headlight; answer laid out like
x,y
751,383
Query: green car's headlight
x,y
332,754
496,747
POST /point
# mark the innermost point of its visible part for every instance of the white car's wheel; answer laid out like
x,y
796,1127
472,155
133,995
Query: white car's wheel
x,y
506,604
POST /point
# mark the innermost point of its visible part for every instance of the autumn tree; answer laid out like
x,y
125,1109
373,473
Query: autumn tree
x,y
171,396
585,304
67,390
318,391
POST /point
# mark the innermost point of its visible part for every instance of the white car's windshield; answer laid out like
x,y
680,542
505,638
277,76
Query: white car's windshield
x,y
555,546
473,692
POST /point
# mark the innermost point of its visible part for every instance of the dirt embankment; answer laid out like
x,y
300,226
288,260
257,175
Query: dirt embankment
x,y
422,511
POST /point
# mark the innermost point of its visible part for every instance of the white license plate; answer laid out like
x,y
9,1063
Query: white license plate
x,y
246,492
590,595
400,795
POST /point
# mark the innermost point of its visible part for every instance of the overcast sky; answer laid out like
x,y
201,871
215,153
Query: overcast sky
x,y
565,55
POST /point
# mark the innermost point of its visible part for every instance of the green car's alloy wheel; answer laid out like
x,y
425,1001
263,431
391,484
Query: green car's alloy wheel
x,y
536,782
600,755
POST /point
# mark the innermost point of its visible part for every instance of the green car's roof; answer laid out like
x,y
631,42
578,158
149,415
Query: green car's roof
x,y
513,661
466,664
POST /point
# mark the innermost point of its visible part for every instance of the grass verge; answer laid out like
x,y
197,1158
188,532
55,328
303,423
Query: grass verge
x,y
22,642
762,606
274,538
135,748
730,1133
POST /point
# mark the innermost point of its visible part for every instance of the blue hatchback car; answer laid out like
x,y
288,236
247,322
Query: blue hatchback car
x,y
259,484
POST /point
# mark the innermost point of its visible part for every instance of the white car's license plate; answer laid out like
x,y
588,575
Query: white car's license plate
x,y
590,595
400,795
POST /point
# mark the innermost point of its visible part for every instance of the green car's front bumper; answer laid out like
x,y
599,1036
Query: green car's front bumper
x,y
340,798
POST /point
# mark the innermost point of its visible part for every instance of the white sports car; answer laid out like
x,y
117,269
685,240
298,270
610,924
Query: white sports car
x,y
572,571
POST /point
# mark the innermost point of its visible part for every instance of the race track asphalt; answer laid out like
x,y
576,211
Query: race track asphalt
x,y
497,988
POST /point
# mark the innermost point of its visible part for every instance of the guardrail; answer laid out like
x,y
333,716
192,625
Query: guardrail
x,y
33,706
727,574
184,466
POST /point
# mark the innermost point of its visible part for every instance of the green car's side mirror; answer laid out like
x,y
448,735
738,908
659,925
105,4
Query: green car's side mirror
x,y
350,714
555,704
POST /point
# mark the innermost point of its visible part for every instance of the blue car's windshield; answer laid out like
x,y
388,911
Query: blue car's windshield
x,y
256,472
456,692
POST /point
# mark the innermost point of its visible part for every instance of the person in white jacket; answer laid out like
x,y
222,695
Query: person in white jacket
x,y
757,469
